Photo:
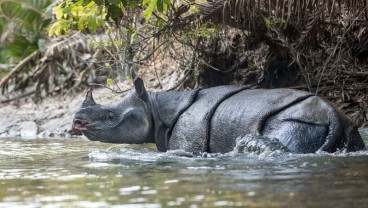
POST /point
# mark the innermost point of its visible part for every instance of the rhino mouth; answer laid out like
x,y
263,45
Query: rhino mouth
x,y
82,127
79,125
76,132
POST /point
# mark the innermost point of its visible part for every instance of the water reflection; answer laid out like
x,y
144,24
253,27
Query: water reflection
x,y
78,173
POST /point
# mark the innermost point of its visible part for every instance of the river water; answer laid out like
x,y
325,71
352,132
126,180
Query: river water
x,y
80,173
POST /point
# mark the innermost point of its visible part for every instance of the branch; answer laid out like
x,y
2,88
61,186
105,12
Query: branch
x,y
17,98
112,90
17,69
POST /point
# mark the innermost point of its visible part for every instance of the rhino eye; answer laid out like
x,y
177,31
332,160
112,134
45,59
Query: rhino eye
x,y
110,115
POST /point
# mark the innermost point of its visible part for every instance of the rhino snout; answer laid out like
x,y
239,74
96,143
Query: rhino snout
x,y
79,125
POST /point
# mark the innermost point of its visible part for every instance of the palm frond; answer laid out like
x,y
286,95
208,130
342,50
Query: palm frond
x,y
21,27
25,12
66,64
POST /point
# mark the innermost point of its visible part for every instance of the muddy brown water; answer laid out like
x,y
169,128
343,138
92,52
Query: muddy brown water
x,y
80,173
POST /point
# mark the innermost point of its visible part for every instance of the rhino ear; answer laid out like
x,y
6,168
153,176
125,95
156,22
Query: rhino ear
x,y
88,101
140,89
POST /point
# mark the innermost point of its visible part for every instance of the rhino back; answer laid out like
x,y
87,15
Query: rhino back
x,y
191,131
247,112
301,121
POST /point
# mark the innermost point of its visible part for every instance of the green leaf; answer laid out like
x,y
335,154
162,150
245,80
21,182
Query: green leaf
x,y
133,5
146,2
147,13
108,82
160,5
80,24
22,46
194,9
74,10
92,23
67,9
116,2
125,3
58,11
59,27
90,4
99,2
79,2
160,24
115,12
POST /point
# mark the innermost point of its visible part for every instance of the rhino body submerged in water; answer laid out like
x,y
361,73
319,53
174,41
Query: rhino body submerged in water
x,y
210,120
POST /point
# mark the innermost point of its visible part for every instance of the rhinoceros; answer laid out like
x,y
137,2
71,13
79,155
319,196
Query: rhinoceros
x,y
211,120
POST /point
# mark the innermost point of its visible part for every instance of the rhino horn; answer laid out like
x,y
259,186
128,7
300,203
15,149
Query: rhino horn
x,y
88,101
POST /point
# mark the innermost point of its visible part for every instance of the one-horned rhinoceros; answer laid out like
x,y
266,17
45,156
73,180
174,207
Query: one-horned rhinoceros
x,y
211,120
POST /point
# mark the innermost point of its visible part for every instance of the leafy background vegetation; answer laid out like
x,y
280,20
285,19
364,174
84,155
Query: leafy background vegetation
x,y
22,28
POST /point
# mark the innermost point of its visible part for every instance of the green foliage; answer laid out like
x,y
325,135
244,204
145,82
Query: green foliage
x,y
271,21
109,82
132,26
27,13
89,15
79,15
159,5
22,25
208,30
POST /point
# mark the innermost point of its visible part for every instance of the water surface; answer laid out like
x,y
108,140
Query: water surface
x,y
80,173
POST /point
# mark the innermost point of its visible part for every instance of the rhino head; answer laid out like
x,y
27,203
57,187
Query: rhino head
x,y
128,121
